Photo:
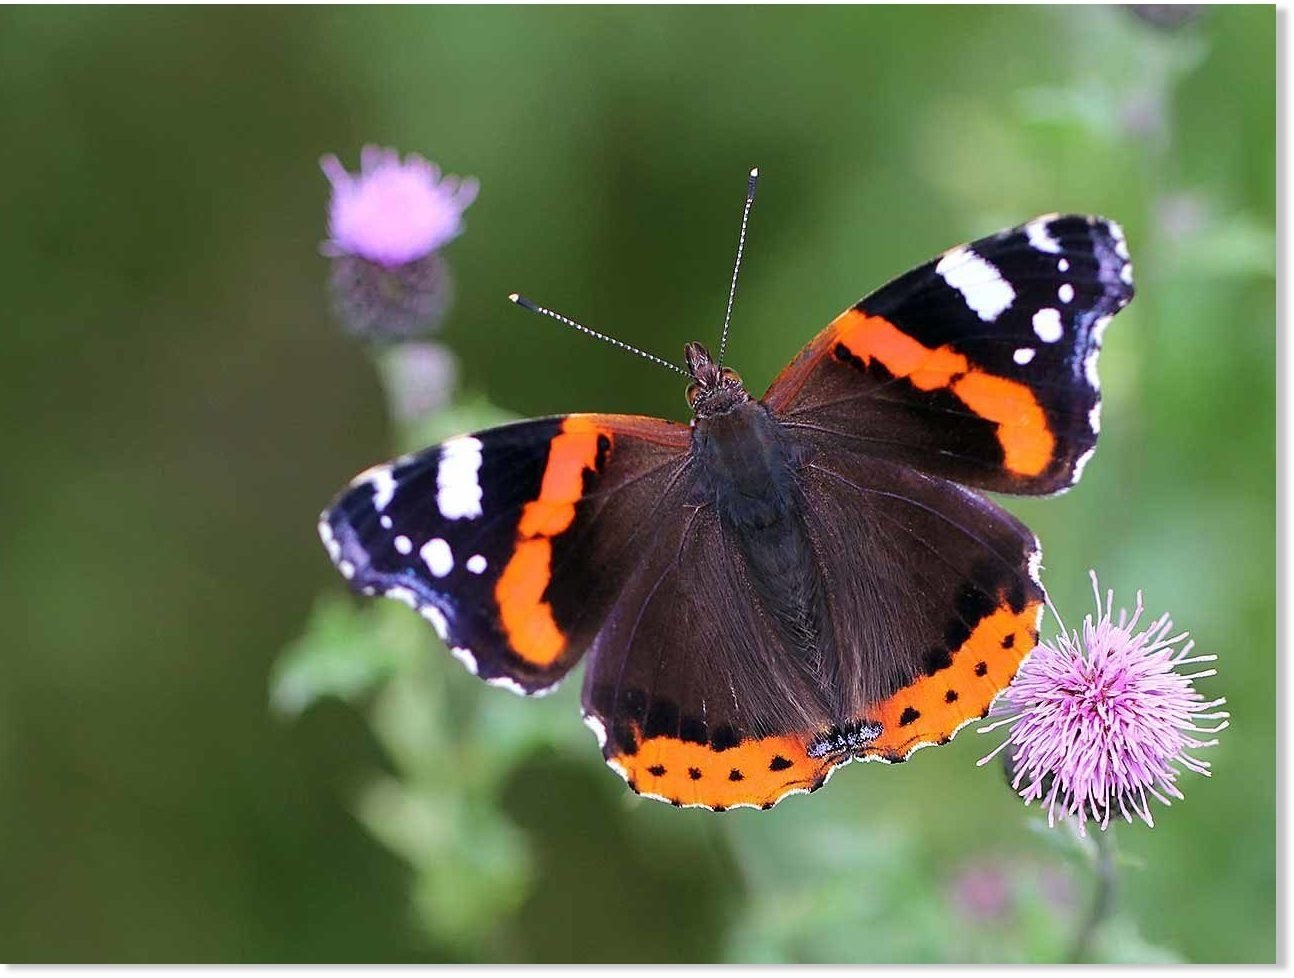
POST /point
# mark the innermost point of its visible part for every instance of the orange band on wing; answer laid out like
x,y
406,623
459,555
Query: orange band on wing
x,y
1027,442
931,709
1022,430
527,618
873,338
755,772
572,452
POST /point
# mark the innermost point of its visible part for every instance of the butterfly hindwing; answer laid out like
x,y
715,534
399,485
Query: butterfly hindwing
x,y
509,541
930,601
937,605
979,366
693,697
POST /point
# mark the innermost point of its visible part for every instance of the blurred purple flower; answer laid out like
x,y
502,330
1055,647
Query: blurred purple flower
x,y
991,889
982,892
1100,724
385,225
393,212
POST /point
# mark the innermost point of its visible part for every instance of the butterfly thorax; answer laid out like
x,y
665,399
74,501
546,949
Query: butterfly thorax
x,y
745,466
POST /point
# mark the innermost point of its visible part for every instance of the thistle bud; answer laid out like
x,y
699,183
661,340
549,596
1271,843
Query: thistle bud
x,y
386,226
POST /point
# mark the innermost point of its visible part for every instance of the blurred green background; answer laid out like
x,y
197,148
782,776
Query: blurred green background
x,y
179,405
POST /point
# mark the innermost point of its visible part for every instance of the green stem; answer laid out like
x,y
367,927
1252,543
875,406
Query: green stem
x,y
1102,898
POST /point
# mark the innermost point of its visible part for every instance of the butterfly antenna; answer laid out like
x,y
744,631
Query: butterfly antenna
x,y
525,303
741,247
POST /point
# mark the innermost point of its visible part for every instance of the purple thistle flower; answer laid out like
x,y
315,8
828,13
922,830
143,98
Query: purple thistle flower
x,y
393,212
1103,723
385,225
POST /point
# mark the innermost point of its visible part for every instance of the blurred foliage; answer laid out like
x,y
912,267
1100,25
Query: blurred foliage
x,y
183,407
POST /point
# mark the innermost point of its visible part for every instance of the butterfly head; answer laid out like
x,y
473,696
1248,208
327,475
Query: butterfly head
x,y
714,389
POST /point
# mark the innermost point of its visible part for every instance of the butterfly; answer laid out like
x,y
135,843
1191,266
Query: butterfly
x,y
787,584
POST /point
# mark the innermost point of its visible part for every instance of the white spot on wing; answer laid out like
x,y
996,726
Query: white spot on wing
x,y
1023,355
386,522
438,622
599,729
347,569
1066,293
476,564
329,541
1125,273
458,491
436,554
1089,369
382,481
403,595
1063,265
508,683
1040,238
1035,563
1098,329
466,658
1098,336
1046,323
1081,464
1120,240
403,544
979,282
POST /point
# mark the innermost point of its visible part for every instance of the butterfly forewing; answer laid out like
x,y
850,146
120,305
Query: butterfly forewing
x,y
497,538
979,366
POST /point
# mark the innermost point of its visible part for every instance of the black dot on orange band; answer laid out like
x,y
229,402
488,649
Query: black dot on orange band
x,y
656,770
1009,641
981,668
779,763
908,716
694,773
735,775
950,696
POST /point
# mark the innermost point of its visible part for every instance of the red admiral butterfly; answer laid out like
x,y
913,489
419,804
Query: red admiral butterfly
x,y
786,584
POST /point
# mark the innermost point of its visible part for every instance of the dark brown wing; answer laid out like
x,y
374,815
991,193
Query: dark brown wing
x,y
694,698
934,595
931,602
